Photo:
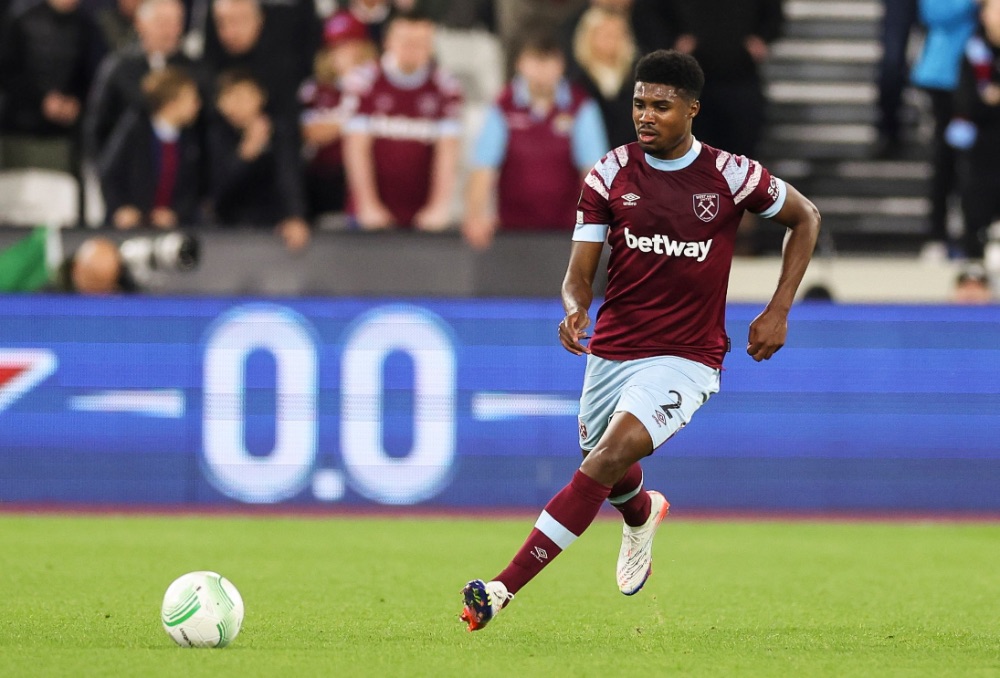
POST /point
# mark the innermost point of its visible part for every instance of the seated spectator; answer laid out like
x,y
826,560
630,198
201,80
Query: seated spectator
x,y
49,52
326,110
401,149
604,55
118,87
538,142
254,163
149,168
972,286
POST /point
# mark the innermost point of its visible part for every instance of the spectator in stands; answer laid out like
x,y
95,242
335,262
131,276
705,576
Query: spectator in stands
x,y
401,150
604,56
514,17
972,286
976,129
118,86
538,142
950,24
899,17
149,168
326,111
49,52
116,20
730,39
651,22
291,34
254,163
239,26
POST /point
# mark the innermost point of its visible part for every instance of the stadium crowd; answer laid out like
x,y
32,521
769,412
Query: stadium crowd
x,y
480,115
368,114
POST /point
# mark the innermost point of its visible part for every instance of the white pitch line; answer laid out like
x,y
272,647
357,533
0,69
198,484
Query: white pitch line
x,y
165,403
491,406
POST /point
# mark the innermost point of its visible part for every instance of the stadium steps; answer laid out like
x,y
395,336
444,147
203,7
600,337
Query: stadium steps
x,y
821,114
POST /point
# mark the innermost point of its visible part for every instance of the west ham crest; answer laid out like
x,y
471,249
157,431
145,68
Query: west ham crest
x,y
706,205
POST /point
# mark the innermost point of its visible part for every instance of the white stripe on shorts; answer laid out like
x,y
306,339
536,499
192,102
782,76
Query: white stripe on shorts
x,y
554,530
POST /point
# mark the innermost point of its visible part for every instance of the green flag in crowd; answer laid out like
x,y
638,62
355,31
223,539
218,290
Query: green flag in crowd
x,y
23,265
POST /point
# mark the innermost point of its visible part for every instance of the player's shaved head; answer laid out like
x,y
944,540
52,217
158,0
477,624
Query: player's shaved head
x,y
669,67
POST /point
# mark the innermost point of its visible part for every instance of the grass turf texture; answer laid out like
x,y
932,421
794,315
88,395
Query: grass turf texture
x,y
376,597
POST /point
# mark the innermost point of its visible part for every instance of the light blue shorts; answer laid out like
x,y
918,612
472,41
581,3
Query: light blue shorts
x,y
663,392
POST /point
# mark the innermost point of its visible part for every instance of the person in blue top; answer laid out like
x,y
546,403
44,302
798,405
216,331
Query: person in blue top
x,y
539,139
949,24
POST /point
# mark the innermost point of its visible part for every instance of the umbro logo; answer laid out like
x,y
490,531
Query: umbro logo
x,y
540,554
630,199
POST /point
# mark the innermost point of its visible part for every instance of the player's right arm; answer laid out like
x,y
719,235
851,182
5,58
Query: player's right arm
x,y
578,293
592,218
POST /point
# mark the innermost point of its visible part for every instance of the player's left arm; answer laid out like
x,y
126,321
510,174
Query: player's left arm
x,y
769,329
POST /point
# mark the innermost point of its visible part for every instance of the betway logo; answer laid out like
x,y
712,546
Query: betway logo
x,y
661,244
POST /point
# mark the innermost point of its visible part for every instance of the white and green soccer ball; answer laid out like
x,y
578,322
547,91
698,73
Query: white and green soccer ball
x,y
202,609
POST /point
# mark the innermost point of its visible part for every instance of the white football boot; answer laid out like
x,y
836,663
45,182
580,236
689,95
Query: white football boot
x,y
635,560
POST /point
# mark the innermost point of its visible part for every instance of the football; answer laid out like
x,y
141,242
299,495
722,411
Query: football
x,y
202,609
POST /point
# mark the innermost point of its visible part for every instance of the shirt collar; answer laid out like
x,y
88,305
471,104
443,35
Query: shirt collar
x,y
522,97
166,132
404,80
678,163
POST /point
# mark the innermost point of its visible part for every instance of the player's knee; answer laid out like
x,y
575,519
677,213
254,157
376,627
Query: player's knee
x,y
606,464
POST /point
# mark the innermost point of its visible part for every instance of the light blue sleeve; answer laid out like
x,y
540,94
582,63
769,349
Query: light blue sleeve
x,y
491,146
590,139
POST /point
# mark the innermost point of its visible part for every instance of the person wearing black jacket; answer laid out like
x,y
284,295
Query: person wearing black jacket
x,y
730,39
49,51
254,163
118,86
150,166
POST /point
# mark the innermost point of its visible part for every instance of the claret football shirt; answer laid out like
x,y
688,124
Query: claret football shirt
x,y
671,226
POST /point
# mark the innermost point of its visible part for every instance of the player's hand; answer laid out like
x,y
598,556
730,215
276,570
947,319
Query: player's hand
x,y
767,334
572,329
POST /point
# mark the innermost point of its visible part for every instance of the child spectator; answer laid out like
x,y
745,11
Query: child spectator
x,y
539,140
326,110
254,163
149,168
401,148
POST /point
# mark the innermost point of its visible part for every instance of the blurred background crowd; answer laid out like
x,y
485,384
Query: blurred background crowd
x,y
481,116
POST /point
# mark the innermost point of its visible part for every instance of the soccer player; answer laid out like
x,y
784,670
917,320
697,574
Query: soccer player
x,y
669,207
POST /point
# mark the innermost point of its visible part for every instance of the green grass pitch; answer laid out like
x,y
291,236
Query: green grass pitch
x,y
380,597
